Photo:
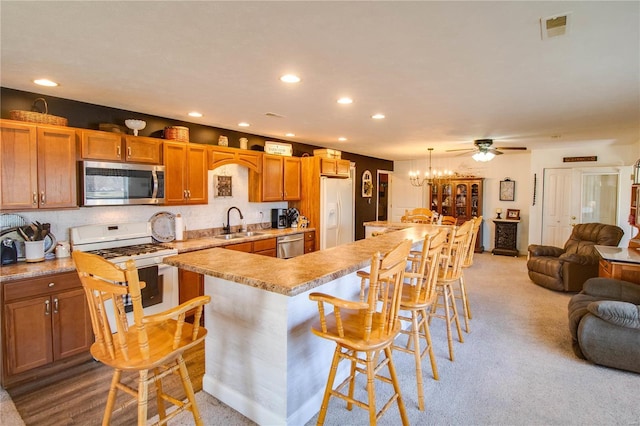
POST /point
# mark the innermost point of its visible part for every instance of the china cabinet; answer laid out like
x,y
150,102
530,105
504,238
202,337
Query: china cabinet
x,y
38,166
634,215
460,197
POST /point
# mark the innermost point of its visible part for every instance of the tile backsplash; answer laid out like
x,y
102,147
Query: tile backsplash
x,y
196,217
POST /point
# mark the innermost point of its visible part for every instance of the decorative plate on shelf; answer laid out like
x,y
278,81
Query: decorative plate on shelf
x,y
163,227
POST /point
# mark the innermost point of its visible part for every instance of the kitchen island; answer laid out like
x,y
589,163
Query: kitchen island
x,y
260,356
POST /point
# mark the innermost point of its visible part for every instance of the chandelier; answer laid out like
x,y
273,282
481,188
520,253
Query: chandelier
x,y
431,177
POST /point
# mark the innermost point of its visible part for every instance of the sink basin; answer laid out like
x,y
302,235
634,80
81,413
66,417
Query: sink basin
x,y
246,234
237,235
226,236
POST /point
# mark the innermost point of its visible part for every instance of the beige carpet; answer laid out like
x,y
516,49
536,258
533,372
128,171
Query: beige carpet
x,y
516,367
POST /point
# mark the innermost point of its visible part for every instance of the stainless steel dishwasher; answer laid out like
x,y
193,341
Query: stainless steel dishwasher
x,y
290,246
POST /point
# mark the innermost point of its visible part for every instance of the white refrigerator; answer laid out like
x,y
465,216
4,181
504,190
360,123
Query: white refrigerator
x,y
336,212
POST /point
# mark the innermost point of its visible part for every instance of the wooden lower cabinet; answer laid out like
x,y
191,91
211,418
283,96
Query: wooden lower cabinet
x,y
309,241
264,247
620,271
45,322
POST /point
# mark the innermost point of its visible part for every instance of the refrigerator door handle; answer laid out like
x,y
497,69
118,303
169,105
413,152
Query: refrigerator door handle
x,y
339,218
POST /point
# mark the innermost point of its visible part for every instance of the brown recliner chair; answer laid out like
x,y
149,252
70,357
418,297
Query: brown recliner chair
x,y
566,269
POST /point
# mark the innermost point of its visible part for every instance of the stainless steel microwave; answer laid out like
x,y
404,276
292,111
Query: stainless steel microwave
x,y
114,184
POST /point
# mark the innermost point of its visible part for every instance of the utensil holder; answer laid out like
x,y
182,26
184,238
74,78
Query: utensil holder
x,y
34,251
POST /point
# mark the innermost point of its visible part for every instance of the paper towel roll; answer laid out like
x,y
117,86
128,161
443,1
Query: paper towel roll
x,y
179,227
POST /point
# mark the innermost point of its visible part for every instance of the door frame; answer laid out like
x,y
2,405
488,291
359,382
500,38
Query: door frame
x,y
389,174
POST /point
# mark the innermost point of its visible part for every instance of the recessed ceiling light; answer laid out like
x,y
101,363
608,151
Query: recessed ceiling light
x,y
345,101
45,82
377,116
290,135
243,124
290,78
195,114
342,139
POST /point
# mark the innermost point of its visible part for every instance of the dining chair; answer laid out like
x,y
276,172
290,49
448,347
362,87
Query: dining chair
x,y
418,215
362,331
152,346
418,295
448,220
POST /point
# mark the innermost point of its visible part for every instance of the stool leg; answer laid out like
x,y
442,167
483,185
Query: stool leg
x,y
162,412
111,399
329,387
371,391
396,386
417,354
427,336
143,394
188,389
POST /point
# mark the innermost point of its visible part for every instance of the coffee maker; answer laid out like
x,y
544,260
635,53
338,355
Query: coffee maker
x,y
279,218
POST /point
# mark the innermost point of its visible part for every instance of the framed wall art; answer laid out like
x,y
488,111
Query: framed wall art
x,y
223,186
507,190
513,214
367,184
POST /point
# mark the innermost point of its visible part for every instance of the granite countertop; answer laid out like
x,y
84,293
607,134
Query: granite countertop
x,y
291,277
23,270
193,244
619,254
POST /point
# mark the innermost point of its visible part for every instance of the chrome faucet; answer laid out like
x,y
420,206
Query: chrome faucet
x,y
227,228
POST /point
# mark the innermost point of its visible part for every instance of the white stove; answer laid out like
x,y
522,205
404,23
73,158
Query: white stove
x,y
120,242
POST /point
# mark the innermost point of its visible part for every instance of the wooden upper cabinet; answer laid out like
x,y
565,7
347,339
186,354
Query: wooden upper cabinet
x,y
19,160
292,171
138,149
185,173
334,167
279,180
38,166
56,167
108,146
98,145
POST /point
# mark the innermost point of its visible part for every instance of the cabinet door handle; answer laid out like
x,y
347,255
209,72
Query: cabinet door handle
x,y
35,198
129,152
55,305
42,198
47,307
189,194
51,284
118,151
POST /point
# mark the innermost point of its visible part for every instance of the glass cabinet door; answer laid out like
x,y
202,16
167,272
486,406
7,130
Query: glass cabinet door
x,y
475,199
434,201
461,201
447,202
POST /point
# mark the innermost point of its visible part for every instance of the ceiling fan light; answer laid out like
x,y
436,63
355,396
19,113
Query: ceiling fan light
x,y
483,156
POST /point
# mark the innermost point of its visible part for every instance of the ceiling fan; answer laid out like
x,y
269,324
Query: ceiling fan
x,y
485,151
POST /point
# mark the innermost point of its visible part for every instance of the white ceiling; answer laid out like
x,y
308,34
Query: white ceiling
x,y
443,73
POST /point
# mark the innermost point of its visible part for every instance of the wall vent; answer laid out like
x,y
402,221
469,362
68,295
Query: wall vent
x,y
555,26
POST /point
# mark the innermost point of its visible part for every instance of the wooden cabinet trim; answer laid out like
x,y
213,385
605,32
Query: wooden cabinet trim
x,y
220,156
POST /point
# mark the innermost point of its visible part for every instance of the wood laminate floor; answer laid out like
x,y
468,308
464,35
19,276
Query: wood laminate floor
x,y
78,395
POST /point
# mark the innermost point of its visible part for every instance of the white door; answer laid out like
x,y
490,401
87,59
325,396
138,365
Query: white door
x,y
557,212
577,196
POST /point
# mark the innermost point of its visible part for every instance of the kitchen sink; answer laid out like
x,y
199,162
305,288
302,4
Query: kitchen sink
x,y
238,235
227,236
246,234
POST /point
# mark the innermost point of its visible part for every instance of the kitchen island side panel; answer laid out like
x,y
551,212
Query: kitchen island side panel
x,y
261,358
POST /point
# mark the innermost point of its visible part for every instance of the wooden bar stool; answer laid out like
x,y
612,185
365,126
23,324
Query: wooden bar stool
x,y
418,295
468,262
362,331
152,346
451,268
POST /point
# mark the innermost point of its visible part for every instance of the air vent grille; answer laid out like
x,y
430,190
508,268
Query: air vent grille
x,y
555,26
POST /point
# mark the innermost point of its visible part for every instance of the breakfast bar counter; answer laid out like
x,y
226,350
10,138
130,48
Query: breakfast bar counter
x,y
261,358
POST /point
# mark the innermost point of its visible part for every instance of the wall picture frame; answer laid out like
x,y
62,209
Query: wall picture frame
x,y
507,190
513,214
223,186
